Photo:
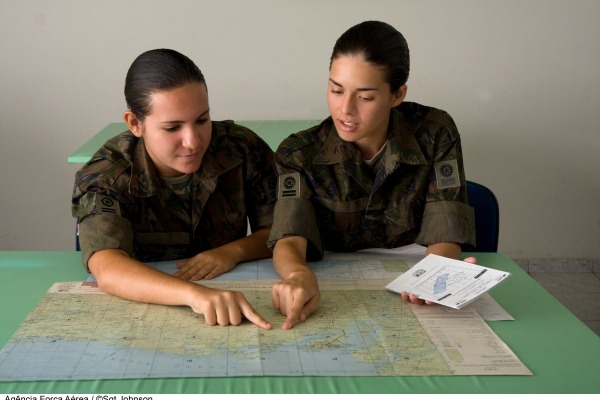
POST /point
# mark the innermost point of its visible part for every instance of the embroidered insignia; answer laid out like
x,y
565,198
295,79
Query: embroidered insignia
x,y
105,204
446,174
289,185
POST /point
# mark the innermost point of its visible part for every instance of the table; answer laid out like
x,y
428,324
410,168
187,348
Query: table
x,y
272,131
560,350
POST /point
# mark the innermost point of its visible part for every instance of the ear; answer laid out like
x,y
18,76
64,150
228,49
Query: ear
x,y
399,96
134,124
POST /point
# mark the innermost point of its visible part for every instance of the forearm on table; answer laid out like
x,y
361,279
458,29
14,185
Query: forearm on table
x,y
289,256
251,247
450,250
125,277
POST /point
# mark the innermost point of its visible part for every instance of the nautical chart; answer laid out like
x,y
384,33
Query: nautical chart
x,y
78,332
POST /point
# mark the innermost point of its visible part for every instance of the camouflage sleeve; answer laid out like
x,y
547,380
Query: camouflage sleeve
x,y
294,213
447,222
104,231
447,216
100,215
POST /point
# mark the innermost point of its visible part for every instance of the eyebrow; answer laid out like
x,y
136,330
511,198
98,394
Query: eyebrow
x,y
179,122
358,89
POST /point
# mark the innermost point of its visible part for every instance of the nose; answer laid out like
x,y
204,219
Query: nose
x,y
190,138
348,104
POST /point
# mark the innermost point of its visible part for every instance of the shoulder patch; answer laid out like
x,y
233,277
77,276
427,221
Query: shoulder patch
x,y
288,185
107,205
446,174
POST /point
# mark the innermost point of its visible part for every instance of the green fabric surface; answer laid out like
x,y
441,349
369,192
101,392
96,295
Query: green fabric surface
x,y
561,351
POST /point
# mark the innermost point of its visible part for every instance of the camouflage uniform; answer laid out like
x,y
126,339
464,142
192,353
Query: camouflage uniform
x,y
122,203
415,193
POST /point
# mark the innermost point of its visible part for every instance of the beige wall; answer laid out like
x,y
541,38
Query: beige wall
x,y
520,78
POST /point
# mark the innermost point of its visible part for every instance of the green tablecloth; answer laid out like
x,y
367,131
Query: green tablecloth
x,y
562,353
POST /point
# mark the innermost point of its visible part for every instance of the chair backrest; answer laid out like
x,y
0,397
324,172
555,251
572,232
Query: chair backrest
x,y
77,246
487,217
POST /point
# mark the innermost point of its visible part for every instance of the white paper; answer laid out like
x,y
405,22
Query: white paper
x,y
467,344
488,308
446,281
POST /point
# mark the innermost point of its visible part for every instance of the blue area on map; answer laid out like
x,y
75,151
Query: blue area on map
x,y
440,284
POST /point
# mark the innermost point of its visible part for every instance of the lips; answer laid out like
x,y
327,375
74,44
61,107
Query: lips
x,y
347,126
189,156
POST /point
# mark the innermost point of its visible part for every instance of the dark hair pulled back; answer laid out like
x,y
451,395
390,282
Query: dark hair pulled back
x,y
379,44
157,70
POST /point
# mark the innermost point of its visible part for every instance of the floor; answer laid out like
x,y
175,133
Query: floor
x,y
576,284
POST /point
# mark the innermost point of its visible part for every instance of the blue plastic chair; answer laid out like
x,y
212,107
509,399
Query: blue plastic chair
x,y
77,247
487,218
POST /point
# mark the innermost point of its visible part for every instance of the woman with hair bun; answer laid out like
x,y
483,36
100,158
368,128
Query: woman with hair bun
x,y
175,186
379,172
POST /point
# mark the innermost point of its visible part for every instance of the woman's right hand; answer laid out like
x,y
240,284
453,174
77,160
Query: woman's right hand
x,y
224,307
120,275
296,297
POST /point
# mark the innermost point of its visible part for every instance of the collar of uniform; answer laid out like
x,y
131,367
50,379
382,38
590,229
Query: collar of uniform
x,y
144,181
402,148
221,155
335,150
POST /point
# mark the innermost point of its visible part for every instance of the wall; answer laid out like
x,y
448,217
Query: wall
x,y
520,78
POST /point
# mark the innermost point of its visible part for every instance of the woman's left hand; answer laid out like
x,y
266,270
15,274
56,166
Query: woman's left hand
x,y
413,297
206,265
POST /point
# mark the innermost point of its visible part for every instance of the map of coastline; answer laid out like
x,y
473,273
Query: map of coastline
x,y
78,332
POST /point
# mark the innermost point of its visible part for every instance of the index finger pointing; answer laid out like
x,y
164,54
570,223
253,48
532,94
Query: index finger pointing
x,y
292,316
252,316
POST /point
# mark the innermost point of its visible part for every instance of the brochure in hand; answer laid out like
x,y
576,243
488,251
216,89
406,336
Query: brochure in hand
x,y
446,281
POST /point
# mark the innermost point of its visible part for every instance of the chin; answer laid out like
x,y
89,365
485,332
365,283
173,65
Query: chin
x,y
190,166
189,169
348,137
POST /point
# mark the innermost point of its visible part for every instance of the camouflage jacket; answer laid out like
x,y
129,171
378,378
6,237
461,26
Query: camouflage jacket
x,y
121,202
416,193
